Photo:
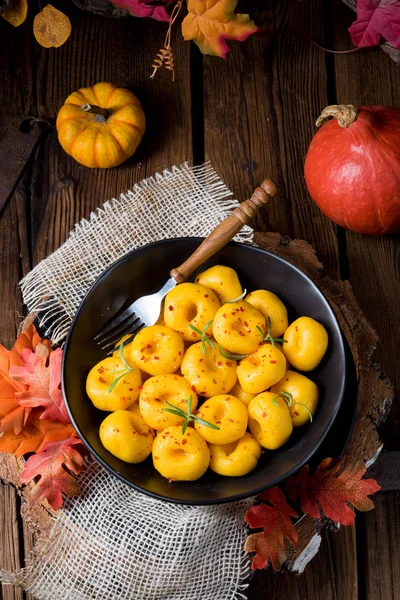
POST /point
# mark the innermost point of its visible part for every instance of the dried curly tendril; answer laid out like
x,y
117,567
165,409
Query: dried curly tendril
x,y
288,398
238,298
268,337
204,337
122,372
187,416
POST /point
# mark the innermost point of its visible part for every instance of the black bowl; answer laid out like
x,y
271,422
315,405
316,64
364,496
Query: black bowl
x,y
143,272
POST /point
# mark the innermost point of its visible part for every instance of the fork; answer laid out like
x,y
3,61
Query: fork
x,y
146,310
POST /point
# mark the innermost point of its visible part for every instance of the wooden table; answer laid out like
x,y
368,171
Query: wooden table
x,y
252,116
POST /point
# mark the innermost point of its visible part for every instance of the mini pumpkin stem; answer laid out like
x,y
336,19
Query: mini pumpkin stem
x,y
101,114
345,114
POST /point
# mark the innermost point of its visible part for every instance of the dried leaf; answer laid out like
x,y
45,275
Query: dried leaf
x,y
143,8
275,519
12,414
210,23
51,27
51,465
329,491
41,371
376,18
34,435
16,12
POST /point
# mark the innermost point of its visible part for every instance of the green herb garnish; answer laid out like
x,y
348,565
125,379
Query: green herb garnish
x,y
204,337
187,416
288,398
268,337
123,372
238,298
229,355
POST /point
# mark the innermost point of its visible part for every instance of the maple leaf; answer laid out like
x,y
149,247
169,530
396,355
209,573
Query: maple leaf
x,y
143,8
41,371
34,435
376,18
51,465
209,23
269,545
12,414
331,491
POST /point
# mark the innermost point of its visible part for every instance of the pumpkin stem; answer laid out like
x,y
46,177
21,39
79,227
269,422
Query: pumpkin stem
x,y
101,114
345,114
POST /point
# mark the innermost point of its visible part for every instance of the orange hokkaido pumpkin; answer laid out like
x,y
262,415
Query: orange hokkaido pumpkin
x,y
101,126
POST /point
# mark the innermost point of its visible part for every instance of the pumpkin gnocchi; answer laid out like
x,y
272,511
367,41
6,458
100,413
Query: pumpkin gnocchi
x,y
209,385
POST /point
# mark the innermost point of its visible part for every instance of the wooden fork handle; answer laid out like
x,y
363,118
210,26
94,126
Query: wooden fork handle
x,y
226,230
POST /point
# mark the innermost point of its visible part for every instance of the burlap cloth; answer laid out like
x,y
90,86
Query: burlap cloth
x,y
113,543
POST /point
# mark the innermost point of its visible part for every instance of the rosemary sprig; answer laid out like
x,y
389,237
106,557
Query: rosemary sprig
x,y
187,416
288,398
229,355
204,337
268,337
124,372
238,298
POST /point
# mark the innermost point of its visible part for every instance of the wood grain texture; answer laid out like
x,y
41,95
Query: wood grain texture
x,y
259,109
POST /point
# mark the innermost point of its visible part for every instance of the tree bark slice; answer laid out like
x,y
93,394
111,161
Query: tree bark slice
x,y
375,392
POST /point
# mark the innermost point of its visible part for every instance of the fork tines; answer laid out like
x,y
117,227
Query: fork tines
x,y
125,324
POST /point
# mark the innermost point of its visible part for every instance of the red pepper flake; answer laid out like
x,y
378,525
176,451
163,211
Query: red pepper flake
x,y
179,353
246,323
241,308
202,370
296,328
170,307
148,346
263,415
205,295
194,334
218,422
140,388
286,379
224,315
100,370
201,360
157,399
130,389
231,420
184,442
102,380
214,381
193,388
156,458
156,358
219,363
116,430
142,358
122,398
296,413
272,362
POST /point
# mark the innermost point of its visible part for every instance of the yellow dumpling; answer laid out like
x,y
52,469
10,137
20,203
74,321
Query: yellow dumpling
x,y
209,374
221,280
190,304
307,342
270,423
270,306
125,434
228,413
157,350
235,459
262,369
304,393
238,391
236,326
110,386
180,457
156,391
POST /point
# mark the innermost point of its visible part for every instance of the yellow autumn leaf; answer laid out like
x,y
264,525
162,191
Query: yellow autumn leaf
x,y
210,22
16,12
51,27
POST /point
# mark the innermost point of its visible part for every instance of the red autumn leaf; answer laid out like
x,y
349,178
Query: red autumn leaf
x,y
51,465
376,18
143,8
42,373
34,435
330,490
274,519
12,414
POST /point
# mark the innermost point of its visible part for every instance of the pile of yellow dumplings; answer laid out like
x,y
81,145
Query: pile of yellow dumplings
x,y
212,383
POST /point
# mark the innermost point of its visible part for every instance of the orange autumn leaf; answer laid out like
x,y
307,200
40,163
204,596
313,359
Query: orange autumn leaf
x,y
41,372
329,490
34,435
275,519
16,12
54,465
210,23
51,27
12,414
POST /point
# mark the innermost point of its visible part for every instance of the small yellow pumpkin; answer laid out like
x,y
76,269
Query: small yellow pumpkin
x,y
101,126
